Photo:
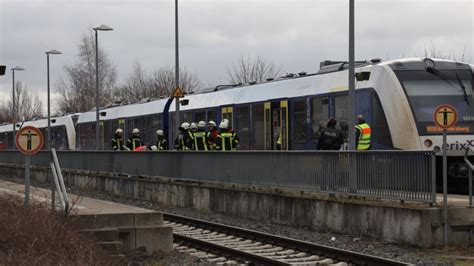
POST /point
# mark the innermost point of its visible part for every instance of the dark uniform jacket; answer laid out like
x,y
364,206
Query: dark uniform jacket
x,y
330,139
200,140
134,142
161,143
117,143
227,141
184,141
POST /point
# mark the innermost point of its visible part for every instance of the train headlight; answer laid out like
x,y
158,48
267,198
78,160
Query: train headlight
x,y
436,149
428,143
429,62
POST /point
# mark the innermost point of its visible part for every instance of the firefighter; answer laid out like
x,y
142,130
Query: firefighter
x,y
134,141
227,140
184,141
193,127
212,134
161,142
117,140
363,132
200,137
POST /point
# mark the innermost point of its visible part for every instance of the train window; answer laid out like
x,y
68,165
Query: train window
x,y
341,114
299,113
211,115
379,125
257,127
187,117
319,115
242,126
59,137
199,116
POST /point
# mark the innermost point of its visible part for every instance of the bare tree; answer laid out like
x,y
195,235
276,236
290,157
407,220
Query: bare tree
x,y
28,105
77,91
434,52
161,82
248,69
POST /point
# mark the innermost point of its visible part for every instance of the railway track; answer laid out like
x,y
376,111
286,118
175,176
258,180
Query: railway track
x,y
218,243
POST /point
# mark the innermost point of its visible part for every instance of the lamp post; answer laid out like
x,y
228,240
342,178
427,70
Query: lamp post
x,y
177,118
17,68
351,103
48,141
97,131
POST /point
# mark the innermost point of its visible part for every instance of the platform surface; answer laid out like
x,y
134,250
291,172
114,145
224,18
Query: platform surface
x,y
81,205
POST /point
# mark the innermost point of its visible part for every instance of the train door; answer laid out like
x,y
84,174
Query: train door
x,y
276,125
101,135
227,113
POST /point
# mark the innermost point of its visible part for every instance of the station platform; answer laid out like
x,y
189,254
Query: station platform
x,y
127,227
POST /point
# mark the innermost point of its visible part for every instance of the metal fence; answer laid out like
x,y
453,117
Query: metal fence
x,y
402,175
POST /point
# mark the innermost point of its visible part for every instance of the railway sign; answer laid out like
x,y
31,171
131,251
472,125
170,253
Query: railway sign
x,y
177,93
445,116
29,140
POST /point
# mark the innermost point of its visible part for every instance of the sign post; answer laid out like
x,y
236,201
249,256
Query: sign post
x,y
445,116
29,141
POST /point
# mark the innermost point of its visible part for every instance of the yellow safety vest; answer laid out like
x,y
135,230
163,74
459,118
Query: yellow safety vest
x,y
229,136
364,136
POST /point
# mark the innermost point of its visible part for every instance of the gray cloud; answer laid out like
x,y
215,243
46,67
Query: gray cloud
x,y
294,34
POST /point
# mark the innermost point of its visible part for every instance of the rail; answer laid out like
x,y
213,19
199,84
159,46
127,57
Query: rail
x,y
471,168
400,175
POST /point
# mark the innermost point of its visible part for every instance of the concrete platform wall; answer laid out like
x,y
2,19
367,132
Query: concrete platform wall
x,y
419,226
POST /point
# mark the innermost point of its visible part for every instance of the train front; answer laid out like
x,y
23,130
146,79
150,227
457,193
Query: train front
x,y
429,83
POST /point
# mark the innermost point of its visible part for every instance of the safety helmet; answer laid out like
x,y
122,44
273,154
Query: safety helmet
x,y
135,131
185,125
154,148
159,132
212,123
202,124
118,131
224,124
193,125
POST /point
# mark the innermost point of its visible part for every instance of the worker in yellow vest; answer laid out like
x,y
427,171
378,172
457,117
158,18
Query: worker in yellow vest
x,y
200,137
227,140
363,133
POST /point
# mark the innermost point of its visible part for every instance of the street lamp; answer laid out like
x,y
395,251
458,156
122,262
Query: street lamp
x,y
97,131
48,142
177,116
17,68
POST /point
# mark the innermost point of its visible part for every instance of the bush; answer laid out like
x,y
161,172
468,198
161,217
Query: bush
x,y
40,236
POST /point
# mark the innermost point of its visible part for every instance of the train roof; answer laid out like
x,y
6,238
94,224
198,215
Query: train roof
x,y
40,123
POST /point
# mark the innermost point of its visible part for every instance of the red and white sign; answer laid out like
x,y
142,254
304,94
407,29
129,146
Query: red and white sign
x,y
29,140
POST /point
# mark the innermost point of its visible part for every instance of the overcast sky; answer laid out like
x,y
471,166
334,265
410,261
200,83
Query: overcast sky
x,y
295,35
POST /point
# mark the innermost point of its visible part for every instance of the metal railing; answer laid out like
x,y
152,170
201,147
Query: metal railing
x,y
59,181
471,168
401,175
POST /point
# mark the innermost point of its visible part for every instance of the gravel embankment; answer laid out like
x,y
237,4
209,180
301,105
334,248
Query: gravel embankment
x,y
420,256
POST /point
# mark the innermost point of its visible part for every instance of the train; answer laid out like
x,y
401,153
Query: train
x,y
396,97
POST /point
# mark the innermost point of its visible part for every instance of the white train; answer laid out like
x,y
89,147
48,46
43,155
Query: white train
x,y
63,132
397,98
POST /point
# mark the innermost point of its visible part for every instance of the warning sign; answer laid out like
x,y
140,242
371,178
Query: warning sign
x,y
445,116
29,140
177,93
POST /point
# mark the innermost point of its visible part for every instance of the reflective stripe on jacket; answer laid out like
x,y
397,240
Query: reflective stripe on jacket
x,y
227,141
117,144
200,141
363,143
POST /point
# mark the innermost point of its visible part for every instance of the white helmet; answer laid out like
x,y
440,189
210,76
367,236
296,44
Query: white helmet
x,y
202,124
212,123
160,132
154,148
185,125
224,124
118,131
193,125
135,131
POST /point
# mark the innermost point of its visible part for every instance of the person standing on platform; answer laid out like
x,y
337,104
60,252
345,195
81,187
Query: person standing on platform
x,y
193,127
134,141
185,140
161,142
227,140
117,140
200,137
362,134
212,134
331,137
